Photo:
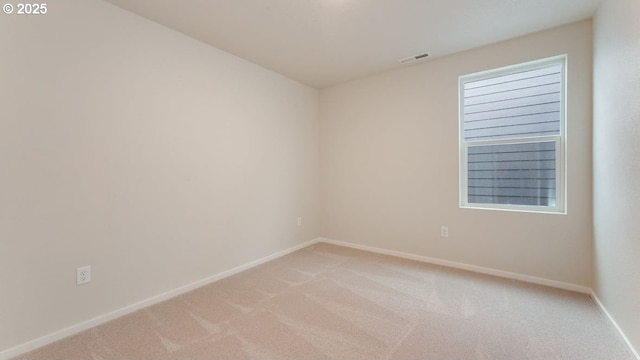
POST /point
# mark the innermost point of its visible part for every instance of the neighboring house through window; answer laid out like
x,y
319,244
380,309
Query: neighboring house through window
x,y
512,137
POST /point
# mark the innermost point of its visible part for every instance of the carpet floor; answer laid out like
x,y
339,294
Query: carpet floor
x,y
331,302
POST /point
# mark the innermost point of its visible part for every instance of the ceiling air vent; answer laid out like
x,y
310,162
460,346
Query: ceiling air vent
x,y
411,59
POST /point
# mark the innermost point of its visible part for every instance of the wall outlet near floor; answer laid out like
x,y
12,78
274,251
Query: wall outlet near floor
x,y
83,275
299,221
444,231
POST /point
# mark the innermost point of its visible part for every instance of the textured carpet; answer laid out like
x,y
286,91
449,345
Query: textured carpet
x,y
330,302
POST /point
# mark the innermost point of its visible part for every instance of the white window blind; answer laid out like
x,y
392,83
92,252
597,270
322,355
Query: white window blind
x,y
512,123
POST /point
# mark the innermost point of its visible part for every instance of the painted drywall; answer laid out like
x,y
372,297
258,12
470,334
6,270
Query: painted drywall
x,y
389,165
616,158
152,157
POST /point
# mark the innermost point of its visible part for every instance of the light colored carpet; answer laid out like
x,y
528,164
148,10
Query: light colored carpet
x,y
330,302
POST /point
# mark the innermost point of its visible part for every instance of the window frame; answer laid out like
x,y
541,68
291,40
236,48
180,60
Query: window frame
x,y
561,139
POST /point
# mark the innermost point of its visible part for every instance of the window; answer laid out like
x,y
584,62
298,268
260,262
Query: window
x,y
512,137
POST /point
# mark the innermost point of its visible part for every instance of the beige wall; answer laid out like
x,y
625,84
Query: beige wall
x,y
389,165
152,157
617,163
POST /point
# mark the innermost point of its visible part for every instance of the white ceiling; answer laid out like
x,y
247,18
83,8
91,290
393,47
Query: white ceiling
x,y
326,42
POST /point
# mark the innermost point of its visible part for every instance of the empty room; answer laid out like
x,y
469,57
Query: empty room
x,y
322,179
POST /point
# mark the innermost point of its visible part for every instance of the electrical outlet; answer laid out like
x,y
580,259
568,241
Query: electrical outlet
x,y
299,221
83,275
444,232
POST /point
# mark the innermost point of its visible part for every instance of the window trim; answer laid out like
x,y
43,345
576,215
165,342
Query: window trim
x,y
561,140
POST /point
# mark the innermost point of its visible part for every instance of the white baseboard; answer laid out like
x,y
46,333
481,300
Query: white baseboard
x,y
494,272
462,266
595,298
59,335
72,330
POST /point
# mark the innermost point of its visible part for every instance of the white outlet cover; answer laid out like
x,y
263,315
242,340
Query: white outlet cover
x,y
83,275
444,232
